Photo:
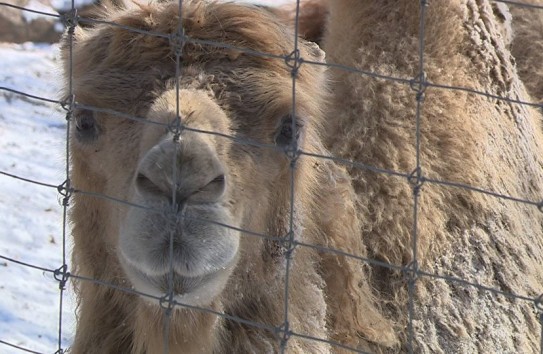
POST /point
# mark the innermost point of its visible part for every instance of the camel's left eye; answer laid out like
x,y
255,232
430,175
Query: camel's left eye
x,y
288,131
85,125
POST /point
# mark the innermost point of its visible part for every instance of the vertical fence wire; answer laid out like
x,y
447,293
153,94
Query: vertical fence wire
x,y
65,190
289,242
417,178
177,41
293,62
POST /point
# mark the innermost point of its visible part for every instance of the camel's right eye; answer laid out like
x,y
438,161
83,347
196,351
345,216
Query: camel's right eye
x,y
85,125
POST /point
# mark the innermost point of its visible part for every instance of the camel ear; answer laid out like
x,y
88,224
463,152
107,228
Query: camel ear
x,y
312,18
97,11
312,21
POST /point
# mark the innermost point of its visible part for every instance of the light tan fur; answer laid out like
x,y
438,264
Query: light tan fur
x,y
465,138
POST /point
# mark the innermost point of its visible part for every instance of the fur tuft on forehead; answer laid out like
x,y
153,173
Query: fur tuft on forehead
x,y
119,54
208,29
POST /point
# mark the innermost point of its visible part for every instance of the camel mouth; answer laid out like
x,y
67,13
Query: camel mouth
x,y
189,290
198,254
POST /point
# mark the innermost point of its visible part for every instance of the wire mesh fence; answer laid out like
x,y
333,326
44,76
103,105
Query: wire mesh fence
x,y
293,61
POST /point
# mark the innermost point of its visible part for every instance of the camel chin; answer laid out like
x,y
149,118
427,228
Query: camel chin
x,y
204,253
187,291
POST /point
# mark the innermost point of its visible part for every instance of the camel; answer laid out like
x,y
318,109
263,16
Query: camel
x,y
527,46
217,214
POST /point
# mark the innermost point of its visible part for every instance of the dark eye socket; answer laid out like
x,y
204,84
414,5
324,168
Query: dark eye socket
x,y
85,125
285,133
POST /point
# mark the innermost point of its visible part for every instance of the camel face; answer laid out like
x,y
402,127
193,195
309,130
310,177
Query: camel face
x,y
192,170
187,189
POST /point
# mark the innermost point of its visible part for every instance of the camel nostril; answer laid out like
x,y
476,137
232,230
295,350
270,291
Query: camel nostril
x,y
219,179
217,184
146,185
212,191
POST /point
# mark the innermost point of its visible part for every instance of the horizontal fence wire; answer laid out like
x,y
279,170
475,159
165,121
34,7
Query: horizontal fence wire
x,y
18,347
420,83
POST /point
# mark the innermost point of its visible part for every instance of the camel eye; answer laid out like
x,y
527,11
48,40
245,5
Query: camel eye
x,y
85,125
286,133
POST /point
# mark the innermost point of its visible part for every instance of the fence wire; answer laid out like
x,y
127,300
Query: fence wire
x,y
294,61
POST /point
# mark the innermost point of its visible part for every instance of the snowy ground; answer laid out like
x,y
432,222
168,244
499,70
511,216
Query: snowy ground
x,y
32,145
32,142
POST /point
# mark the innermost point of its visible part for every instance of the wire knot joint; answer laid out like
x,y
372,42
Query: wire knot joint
x,y
294,61
68,104
176,127
419,84
167,303
70,20
62,275
293,153
285,332
411,271
416,179
289,244
65,191
177,42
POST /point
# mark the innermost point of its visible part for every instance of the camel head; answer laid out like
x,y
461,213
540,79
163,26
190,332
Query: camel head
x,y
206,155
188,175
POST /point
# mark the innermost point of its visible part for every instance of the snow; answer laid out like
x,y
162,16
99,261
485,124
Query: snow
x,y
36,6
32,145
67,4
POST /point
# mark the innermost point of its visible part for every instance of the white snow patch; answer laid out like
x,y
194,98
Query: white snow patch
x,y
32,144
63,5
37,6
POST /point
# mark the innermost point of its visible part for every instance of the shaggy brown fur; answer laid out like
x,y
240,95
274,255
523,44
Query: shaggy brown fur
x,y
527,46
465,138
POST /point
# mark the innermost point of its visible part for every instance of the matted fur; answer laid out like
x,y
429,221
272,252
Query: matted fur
x,y
527,46
465,138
